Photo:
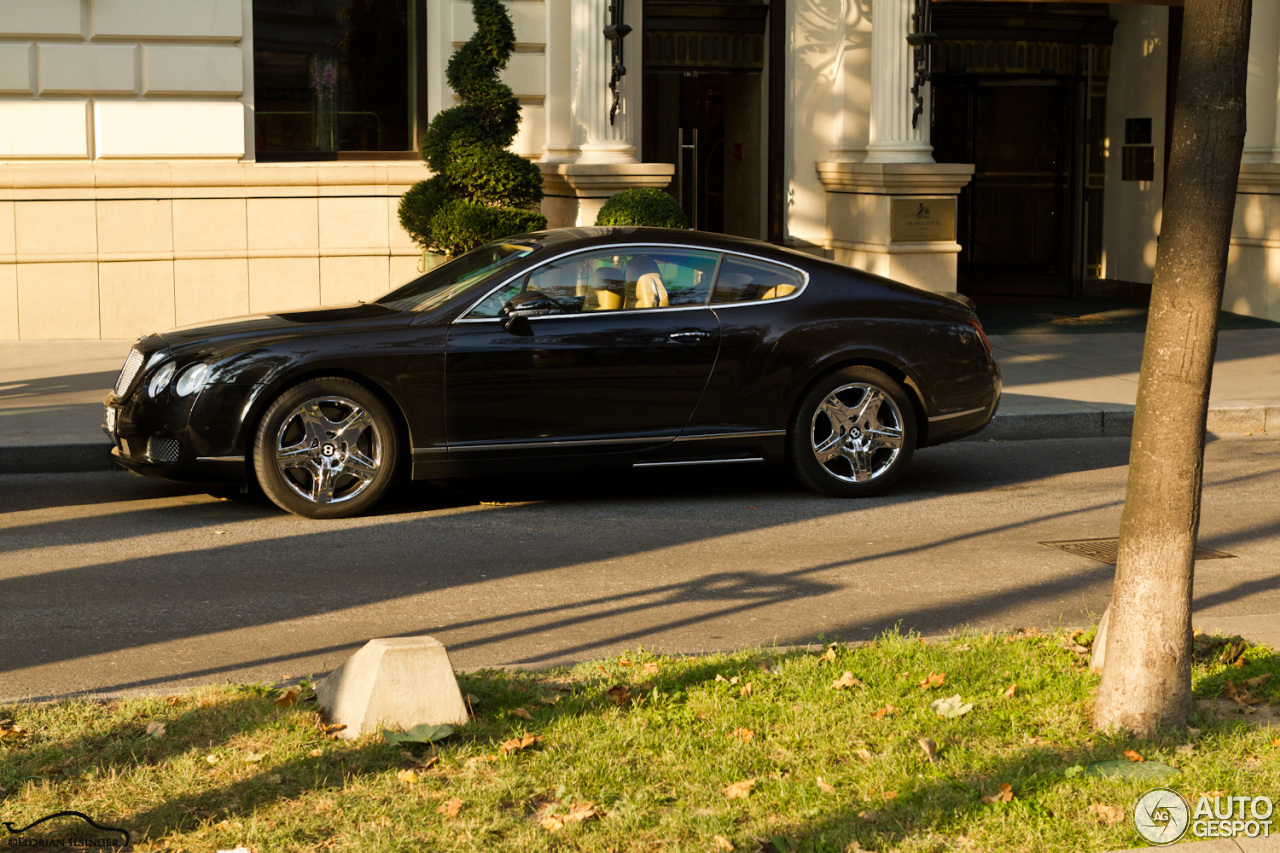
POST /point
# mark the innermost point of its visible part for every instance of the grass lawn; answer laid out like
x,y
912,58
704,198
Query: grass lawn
x,y
828,750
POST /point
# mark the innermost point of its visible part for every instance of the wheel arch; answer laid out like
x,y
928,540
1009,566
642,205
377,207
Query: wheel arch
x,y
909,385
282,384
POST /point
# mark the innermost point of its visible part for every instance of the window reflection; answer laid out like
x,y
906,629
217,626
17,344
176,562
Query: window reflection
x,y
331,76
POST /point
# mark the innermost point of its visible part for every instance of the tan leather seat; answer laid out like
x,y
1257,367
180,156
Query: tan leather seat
x,y
650,291
605,290
778,291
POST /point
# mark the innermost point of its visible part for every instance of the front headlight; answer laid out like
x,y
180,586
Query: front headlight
x,y
191,380
160,379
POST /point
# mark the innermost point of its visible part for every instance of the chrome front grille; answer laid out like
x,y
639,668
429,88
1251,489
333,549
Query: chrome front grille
x,y
129,372
163,449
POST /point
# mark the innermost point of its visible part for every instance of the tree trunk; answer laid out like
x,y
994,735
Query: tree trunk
x,y
1146,676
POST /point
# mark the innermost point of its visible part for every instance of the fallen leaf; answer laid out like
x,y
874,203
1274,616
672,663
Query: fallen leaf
x,y
154,729
952,706
651,668
1242,696
451,808
1275,741
1133,756
578,812
408,776
477,760
1258,680
1123,768
1185,749
740,790
886,711
620,694
720,677
1004,796
287,699
932,680
745,690
829,654
1010,690
624,662
891,795
744,735
733,680
518,743
522,713
825,787
211,758
1108,814
846,680
421,733
719,842
930,748
863,754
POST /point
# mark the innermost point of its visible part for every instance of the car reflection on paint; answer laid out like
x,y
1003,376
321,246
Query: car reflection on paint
x,y
575,347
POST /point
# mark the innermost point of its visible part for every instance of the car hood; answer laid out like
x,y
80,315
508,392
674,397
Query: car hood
x,y
256,327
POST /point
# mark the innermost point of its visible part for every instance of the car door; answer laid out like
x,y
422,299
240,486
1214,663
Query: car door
x,y
612,360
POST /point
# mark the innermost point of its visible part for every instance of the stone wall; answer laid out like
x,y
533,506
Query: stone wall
x,y
115,250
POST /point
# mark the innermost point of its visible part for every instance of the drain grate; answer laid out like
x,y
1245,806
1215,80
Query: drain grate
x,y
1108,550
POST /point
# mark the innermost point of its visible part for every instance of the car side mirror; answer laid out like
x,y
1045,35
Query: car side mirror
x,y
522,306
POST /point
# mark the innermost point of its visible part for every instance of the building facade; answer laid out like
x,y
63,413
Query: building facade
x,y
165,162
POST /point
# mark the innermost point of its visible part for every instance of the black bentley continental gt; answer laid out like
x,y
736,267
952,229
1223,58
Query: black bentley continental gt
x,y
576,347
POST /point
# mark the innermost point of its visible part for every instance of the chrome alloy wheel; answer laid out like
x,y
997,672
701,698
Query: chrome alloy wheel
x,y
329,449
856,433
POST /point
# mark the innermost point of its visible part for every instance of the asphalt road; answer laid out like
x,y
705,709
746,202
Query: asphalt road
x,y
110,583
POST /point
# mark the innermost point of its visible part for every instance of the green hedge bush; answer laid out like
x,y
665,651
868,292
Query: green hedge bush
x,y
646,206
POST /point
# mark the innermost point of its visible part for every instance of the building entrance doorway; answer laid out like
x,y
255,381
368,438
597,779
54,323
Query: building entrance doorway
x,y
1025,102
705,108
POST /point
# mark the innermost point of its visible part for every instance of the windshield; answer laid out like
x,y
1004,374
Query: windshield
x,y
474,269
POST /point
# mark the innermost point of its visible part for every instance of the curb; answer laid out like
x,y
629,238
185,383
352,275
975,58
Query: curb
x,y
83,457
71,458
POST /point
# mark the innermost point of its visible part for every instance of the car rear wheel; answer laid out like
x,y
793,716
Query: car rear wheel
x,y
326,448
853,433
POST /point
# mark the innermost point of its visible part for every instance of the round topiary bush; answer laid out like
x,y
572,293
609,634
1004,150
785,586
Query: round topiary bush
x,y
647,206
480,191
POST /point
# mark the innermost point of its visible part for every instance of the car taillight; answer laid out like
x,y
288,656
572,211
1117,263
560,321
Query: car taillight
x,y
982,335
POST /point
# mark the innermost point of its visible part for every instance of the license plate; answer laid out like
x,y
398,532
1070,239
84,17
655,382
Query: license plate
x,y
113,416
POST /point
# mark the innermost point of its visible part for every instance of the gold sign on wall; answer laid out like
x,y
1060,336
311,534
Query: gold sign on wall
x,y
922,220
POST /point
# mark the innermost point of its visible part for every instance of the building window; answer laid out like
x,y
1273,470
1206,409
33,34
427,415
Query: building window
x,y
334,79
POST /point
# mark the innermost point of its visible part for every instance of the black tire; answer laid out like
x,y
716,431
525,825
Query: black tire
x,y
326,448
853,434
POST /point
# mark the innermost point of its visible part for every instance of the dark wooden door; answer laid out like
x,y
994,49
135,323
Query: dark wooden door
x,y
1015,219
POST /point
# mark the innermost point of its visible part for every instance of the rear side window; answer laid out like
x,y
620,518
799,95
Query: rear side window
x,y
752,280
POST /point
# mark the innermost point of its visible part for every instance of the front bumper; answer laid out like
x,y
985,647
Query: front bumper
x,y
197,439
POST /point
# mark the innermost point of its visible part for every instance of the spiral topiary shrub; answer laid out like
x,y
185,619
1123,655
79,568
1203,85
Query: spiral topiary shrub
x,y
480,190
645,206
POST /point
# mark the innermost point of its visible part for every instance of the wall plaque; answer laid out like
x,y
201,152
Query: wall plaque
x,y
922,220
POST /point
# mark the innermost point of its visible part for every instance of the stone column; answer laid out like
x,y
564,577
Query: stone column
x,y
893,139
1263,84
587,158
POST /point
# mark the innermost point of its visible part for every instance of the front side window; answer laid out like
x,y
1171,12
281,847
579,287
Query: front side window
x,y
614,279
333,77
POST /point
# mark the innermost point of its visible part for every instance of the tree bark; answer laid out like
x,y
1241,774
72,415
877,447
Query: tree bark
x,y
1146,676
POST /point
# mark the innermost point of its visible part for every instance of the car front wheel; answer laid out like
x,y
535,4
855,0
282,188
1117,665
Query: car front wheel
x,y
326,448
853,433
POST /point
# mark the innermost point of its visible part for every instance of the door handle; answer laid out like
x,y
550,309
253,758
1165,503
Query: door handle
x,y
689,335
